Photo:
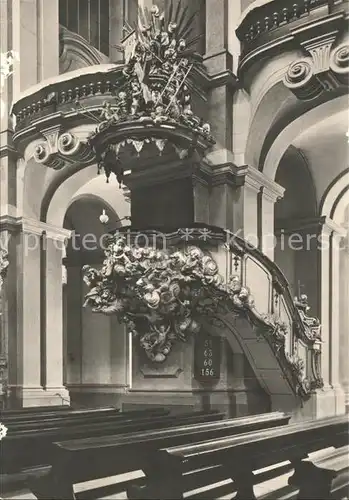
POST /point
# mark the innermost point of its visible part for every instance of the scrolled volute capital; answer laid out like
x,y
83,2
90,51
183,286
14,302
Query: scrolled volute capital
x,y
300,78
339,61
59,149
41,152
299,72
68,144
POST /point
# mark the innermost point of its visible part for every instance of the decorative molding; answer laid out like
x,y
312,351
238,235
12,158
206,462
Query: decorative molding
x,y
259,182
267,30
228,173
33,226
318,224
327,67
60,149
329,227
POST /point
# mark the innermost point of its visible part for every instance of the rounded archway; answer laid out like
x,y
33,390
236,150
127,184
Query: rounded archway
x,y
94,345
335,267
295,216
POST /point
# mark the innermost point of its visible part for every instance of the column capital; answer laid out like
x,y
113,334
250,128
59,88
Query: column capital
x,y
329,226
261,183
39,228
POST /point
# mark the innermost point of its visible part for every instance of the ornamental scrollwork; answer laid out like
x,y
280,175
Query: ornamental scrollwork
x,y
326,69
160,295
59,149
311,326
164,296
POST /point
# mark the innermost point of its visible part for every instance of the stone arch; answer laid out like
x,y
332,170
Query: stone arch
x,y
290,132
60,195
294,217
93,343
76,52
336,198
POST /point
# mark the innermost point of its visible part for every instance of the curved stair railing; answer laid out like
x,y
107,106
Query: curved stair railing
x,y
183,277
294,336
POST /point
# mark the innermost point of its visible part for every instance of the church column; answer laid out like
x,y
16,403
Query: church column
x,y
24,342
54,250
331,236
252,188
33,315
344,318
219,61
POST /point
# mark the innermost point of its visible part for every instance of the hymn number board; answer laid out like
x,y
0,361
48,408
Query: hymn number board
x,y
207,358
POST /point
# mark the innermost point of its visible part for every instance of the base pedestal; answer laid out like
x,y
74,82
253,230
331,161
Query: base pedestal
x,y
22,397
326,402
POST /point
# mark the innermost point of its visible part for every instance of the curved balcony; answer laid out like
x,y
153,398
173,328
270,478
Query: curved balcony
x,y
76,103
276,25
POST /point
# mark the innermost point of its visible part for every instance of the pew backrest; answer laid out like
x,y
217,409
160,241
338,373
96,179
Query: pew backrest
x,y
125,452
22,416
262,448
28,448
77,418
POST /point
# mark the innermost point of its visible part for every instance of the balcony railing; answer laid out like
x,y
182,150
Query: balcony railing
x,y
262,22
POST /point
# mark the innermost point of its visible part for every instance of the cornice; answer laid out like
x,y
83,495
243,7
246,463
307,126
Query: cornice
x,y
323,224
228,173
33,226
6,145
331,227
258,181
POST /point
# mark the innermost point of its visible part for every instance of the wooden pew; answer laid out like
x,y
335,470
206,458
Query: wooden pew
x,y
170,471
33,409
76,418
25,449
86,459
44,415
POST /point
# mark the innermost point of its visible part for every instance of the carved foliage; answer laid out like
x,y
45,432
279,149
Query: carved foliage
x,y
161,295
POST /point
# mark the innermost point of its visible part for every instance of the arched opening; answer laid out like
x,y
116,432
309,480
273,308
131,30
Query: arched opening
x,y
296,252
92,356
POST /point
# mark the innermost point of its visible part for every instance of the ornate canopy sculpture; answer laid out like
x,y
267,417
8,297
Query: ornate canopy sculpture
x,y
151,93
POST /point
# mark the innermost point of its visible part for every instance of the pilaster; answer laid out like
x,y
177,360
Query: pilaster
x,y
35,36
331,236
54,249
34,313
218,61
261,194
